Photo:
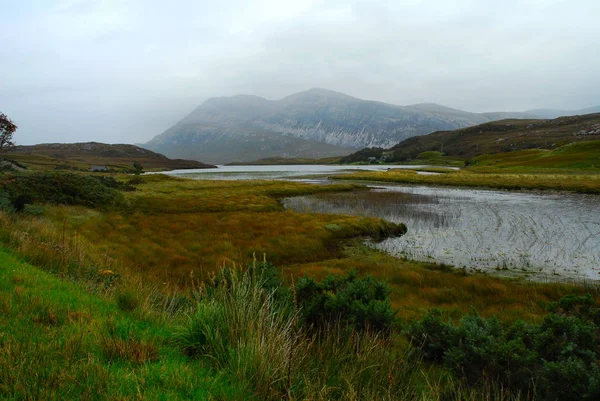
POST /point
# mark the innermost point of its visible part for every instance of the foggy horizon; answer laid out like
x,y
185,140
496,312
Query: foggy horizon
x,y
124,71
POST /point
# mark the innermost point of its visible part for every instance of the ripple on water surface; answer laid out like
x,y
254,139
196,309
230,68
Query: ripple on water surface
x,y
537,235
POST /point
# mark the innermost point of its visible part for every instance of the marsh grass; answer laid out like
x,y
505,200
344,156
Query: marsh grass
x,y
583,183
239,341
106,249
417,286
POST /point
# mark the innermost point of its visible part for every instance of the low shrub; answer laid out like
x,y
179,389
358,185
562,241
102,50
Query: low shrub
x,y
360,303
555,360
61,189
5,203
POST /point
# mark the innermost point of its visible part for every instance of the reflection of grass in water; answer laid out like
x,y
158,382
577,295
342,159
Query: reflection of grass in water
x,y
393,206
461,232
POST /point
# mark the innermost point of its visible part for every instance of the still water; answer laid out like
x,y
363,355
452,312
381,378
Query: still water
x,y
276,172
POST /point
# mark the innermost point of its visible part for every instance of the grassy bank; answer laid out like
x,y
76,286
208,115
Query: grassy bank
x,y
59,342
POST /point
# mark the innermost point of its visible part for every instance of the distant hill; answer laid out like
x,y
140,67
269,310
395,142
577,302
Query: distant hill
x,y
316,123
85,155
491,138
555,113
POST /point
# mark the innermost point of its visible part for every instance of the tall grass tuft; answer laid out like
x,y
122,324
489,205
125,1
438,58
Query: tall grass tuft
x,y
247,328
242,329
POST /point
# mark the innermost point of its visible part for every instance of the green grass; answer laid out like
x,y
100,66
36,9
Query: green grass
x,y
59,342
574,156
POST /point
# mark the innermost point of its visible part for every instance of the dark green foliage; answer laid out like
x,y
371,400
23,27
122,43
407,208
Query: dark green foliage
x,y
361,303
135,181
362,155
20,201
112,183
432,335
137,168
207,332
127,300
5,202
269,275
556,359
61,188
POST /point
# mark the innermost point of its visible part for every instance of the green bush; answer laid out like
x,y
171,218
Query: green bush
x,y
556,359
430,155
361,303
60,188
5,203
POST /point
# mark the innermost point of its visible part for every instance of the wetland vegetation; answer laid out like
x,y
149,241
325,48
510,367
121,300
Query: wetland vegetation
x,y
213,290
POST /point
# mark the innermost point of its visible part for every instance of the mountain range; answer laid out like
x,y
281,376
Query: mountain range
x,y
315,123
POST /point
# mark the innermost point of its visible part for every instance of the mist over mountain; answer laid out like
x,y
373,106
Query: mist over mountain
x,y
555,113
314,123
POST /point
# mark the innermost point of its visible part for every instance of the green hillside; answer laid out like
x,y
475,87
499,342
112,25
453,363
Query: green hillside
x,y
536,143
579,155
82,156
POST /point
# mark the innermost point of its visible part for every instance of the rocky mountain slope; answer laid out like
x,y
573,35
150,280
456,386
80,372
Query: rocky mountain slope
x,y
86,154
315,123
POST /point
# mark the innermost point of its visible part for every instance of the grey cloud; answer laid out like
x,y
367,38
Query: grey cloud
x,y
117,71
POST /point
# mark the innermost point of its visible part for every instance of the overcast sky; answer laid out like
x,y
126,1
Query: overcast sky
x,y
122,71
